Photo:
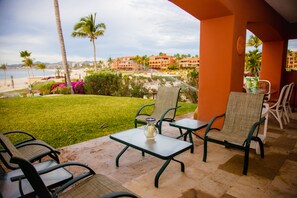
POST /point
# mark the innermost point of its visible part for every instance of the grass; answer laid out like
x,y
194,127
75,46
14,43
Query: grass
x,y
69,119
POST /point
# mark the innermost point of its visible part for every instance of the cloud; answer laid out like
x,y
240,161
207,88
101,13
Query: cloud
x,y
143,27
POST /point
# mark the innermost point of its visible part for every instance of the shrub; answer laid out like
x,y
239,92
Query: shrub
x,y
60,88
78,87
44,88
104,83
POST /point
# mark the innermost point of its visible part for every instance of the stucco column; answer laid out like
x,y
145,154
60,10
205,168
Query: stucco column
x,y
273,63
222,48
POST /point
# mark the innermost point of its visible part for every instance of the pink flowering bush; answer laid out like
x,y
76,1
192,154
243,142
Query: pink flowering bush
x,y
60,88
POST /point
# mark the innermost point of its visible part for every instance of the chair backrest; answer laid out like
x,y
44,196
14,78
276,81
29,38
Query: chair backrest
x,y
167,97
32,176
286,95
265,85
280,99
243,110
8,146
291,87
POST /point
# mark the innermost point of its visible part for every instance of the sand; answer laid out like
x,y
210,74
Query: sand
x,y
22,83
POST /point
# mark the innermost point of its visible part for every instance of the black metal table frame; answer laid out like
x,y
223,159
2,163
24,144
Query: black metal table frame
x,y
168,158
189,130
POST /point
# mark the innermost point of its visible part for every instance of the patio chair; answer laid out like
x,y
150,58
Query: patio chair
x,y
265,85
30,149
87,184
52,180
164,107
241,125
277,108
286,103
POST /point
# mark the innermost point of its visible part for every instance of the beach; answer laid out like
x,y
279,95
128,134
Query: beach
x,y
23,83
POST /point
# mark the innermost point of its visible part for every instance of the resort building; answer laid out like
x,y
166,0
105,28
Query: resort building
x,y
161,62
292,60
188,63
125,63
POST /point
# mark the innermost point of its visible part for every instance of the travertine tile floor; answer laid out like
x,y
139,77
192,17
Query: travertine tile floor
x,y
220,176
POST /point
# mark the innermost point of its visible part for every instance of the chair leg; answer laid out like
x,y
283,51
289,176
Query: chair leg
x,y
277,116
261,145
205,149
135,123
246,160
159,126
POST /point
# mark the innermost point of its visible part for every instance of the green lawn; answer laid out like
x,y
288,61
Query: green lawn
x,y
69,119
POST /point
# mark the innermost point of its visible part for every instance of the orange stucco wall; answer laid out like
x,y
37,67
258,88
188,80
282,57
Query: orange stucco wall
x,y
220,74
273,65
222,23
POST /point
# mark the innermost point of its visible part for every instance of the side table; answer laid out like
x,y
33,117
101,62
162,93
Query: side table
x,y
190,125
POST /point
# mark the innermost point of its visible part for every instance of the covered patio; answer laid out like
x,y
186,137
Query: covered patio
x,y
220,176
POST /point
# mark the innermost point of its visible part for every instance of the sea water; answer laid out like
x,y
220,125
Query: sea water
x,y
23,73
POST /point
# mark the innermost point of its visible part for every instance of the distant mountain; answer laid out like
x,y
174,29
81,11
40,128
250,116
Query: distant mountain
x,y
54,65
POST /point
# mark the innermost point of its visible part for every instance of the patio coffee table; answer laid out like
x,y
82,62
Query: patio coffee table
x,y
162,147
190,125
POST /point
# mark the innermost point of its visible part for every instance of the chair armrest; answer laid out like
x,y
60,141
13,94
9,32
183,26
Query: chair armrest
x,y
118,194
252,130
164,114
21,132
141,108
67,184
208,128
52,168
36,143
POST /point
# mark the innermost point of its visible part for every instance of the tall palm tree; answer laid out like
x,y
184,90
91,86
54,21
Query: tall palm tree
x,y
41,66
253,62
62,45
28,62
109,61
254,41
4,68
253,58
87,27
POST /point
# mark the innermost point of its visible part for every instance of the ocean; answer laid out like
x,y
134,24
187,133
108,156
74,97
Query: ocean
x,y
23,73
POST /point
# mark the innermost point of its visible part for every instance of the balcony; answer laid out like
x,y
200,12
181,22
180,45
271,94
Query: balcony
x,y
220,176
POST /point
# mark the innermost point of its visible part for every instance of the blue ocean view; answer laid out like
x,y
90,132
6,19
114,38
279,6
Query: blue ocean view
x,y
23,73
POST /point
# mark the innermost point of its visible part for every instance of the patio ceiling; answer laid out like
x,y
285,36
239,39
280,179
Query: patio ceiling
x,y
286,8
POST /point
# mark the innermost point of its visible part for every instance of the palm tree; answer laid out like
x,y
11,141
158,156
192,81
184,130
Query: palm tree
x,y
109,61
254,41
145,61
4,68
62,45
28,62
253,62
41,66
87,27
253,58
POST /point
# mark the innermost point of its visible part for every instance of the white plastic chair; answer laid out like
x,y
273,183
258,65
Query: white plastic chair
x,y
286,103
265,85
277,109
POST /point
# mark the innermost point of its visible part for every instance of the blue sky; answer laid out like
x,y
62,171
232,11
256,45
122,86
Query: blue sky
x,y
134,27
143,27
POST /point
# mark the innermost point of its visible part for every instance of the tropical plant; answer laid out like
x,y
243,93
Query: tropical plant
x,y
87,27
4,68
109,61
27,61
253,58
62,45
253,62
254,41
41,66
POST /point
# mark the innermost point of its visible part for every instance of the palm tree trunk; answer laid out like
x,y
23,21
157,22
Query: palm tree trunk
x,y
95,62
62,45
